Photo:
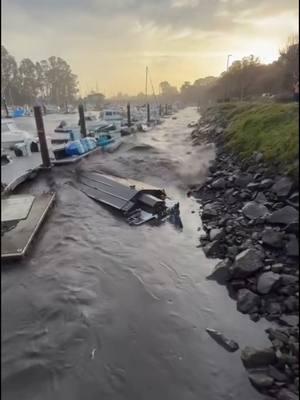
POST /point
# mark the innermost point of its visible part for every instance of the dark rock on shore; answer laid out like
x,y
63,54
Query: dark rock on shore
x,y
267,281
254,210
221,272
254,358
247,301
246,263
260,380
286,215
282,187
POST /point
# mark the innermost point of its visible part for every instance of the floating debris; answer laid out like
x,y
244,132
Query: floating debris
x,y
228,344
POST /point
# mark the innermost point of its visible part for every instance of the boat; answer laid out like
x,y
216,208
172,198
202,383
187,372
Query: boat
x,y
137,203
108,143
63,128
11,135
104,127
110,115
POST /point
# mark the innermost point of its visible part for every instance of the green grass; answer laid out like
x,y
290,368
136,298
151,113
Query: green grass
x,y
272,129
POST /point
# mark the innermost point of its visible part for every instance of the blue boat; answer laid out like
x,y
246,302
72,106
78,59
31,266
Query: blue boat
x,y
107,143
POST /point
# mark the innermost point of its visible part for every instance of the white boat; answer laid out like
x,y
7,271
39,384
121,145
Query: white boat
x,y
111,115
11,135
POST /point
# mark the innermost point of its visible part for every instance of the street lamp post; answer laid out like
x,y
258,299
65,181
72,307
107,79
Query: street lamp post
x,y
227,67
228,57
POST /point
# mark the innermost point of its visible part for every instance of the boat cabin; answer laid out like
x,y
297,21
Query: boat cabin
x,y
111,115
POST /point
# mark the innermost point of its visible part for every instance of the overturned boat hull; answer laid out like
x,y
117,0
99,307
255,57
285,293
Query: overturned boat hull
x,y
137,205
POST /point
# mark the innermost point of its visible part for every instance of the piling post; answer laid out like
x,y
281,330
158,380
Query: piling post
x,y
42,136
160,110
148,113
166,109
6,108
128,115
82,120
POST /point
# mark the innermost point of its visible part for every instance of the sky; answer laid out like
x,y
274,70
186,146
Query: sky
x,y
109,43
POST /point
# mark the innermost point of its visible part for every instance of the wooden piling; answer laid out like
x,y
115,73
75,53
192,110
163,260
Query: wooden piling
x,y
148,113
82,120
6,108
42,136
128,115
166,109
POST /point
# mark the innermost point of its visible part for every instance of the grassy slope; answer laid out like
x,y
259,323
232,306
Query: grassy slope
x,y
272,129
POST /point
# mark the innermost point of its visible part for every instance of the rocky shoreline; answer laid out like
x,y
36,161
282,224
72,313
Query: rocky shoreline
x,y
250,218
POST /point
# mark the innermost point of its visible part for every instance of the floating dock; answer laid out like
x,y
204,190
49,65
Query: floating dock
x,y
21,218
19,170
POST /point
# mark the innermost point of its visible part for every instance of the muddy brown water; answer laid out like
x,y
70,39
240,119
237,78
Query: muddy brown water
x,y
102,310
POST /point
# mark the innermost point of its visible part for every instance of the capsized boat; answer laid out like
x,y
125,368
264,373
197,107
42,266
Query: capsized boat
x,y
138,203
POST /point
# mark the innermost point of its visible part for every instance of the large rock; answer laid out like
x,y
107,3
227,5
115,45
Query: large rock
x,y
247,301
254,358
286,215
216,234
292,246
261,198
221,272
276,374
290,320
285,394
254,210
253,186
266,183
209,211
260,380
246,263
212,249
273,238
219,183
242,180
267,281
282,187
288,279
277,267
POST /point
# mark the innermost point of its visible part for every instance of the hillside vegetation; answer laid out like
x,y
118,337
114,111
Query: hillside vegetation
x,y
271,129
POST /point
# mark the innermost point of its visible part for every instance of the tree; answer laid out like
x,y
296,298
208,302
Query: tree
x,y
52,80
168,93
289,61
29,85
9,75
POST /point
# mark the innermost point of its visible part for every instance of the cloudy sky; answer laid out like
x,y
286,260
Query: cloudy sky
x,y
108,43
